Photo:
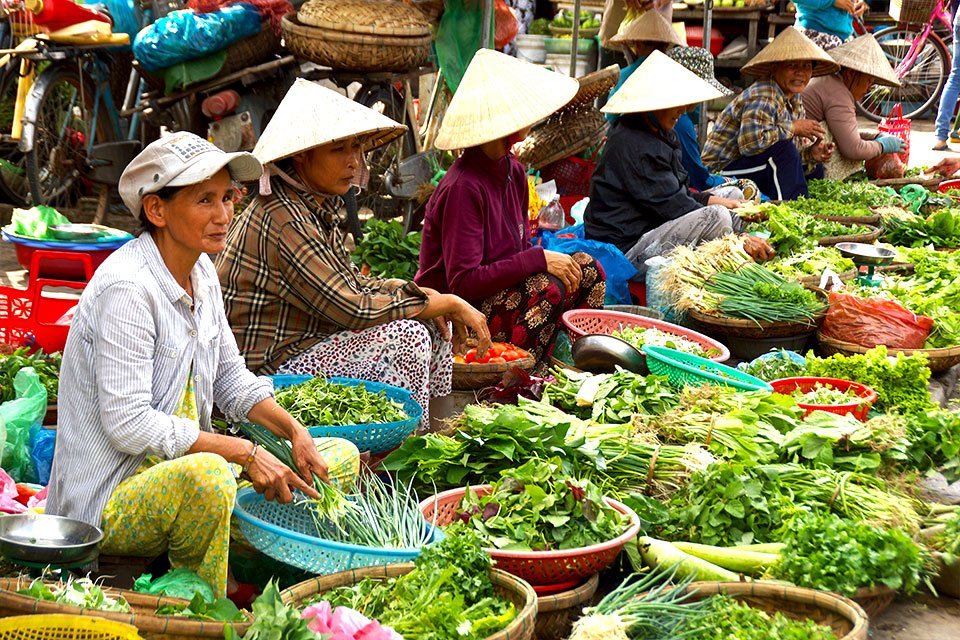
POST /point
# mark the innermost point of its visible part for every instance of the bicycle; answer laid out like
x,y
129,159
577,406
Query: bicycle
x,y
920,54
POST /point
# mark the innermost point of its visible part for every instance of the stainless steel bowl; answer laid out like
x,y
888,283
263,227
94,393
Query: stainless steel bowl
x,y
865,254
599,353
45,539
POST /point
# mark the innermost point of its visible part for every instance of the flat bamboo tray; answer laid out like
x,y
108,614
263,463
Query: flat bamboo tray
x,y
505,585
867,220
937,359
556,613
874,600
861,237
142,606
740,328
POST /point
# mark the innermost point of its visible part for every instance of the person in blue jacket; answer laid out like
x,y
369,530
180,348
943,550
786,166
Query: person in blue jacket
x,y
829,23
648,33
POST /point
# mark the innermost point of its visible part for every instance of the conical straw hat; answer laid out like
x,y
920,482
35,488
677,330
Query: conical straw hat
x,y
789,46
649,27
865,55
311,115
500,95
660,83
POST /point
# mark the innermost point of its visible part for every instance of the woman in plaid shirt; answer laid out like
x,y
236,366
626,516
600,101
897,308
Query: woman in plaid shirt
x,y
764,134
295,300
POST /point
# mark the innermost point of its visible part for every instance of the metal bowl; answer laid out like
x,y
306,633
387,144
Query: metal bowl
x,y
865,254
45,539
599,353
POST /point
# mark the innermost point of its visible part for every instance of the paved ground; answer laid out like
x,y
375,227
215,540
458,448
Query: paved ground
x,y
923,618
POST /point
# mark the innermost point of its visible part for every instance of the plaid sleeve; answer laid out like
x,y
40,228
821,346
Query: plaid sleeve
x,y
762,125
318,284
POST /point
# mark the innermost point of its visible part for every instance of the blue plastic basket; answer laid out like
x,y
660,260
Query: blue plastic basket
x,y
684,369
375,438
288,533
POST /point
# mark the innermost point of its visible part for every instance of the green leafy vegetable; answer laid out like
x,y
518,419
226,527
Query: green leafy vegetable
x,y
825,395
321,402
724,618
639,336
935,441
608,398
47,367
809,262
221,610
78,592
274,620
853,193
387,250
775,368
940,229
824,551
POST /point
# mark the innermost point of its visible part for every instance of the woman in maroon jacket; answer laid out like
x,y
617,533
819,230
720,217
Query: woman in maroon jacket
x,y
476,238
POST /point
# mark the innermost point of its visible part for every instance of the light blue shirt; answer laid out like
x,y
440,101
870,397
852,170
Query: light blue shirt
x,y
132,345
821,15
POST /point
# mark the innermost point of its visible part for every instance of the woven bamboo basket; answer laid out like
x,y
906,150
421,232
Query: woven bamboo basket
x,y
373,17
713,325
556,613
431,9
354,51
142,606
874,600
251,51
58,626
867,220
505,585
937,359
565,133
469,377
594,85
845,617
814,281
861,237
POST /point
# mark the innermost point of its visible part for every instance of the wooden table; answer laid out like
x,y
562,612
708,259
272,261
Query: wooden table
x,y
751,16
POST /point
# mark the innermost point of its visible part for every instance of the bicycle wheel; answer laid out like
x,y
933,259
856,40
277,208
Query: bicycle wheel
x,y
61,104
13,182
387,100
921,82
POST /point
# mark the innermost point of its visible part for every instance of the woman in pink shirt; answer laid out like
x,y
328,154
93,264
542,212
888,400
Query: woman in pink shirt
x,y
476,237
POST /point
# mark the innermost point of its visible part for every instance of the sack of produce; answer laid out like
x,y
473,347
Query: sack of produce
x,y
875,321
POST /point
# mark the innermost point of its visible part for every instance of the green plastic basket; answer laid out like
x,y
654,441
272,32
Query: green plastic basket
x,y
684,369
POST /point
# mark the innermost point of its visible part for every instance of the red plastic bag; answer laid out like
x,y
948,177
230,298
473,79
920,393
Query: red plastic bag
x,y
506,23
896,125
885,166
874,321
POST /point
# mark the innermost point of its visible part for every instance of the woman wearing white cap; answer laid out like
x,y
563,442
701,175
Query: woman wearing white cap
x,y
640,197
476,234
148,354
832,99
296,302
764,134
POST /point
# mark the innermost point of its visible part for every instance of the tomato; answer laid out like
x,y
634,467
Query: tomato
x,y
497,348
459,360
510,355
522,353
471,356
483,359
496,359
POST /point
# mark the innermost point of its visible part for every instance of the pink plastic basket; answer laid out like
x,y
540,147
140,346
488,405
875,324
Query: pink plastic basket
x,y
581,322
859,409
539,567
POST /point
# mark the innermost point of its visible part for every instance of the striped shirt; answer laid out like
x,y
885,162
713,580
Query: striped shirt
x,y
288,281
753,122
130,350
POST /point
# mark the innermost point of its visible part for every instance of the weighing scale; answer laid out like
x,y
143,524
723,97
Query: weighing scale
x,y
41,541
869,256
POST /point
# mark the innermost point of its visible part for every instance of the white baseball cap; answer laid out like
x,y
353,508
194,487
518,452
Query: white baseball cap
x,y
179,160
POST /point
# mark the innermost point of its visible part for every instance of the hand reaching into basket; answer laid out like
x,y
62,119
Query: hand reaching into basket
x,y
275,480
758,248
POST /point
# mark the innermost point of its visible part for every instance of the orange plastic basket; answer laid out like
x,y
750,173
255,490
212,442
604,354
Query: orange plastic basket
x,y
859,408
540,567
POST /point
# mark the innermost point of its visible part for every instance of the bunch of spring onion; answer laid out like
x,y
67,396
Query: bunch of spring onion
x,y
755,293
643,606
732,424
688,269
637,463
332,504
857,496
384,515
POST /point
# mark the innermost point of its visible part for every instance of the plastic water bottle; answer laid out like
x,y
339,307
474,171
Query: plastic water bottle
x,y
658,298
552,216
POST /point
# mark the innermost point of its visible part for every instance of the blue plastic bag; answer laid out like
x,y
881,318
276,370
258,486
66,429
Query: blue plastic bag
x,y
619,270
184,35
41,452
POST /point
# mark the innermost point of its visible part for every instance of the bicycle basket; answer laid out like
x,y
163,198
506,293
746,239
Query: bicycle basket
x,y
912,11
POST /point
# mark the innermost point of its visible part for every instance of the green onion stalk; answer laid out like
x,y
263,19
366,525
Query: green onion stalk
x,y
332,504
643,606
755,293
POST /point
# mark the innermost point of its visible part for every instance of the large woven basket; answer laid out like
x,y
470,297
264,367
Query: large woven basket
x,y
354,51
556,612
142,616
937,359
505,585
564,566
470,377
594,85
252,50
737,327
374,17
857,237
912,11
874,600
845,617
565,133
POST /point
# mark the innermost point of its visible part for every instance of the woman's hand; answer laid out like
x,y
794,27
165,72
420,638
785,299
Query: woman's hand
x,y
822,151
758,248
307,458
946,167
275,480
564,267
807,128
444,307
729,203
